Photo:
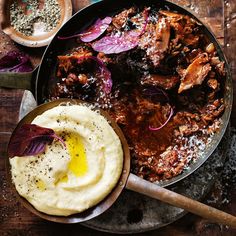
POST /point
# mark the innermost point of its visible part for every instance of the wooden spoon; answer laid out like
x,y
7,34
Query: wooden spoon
x,y
142,186
39,38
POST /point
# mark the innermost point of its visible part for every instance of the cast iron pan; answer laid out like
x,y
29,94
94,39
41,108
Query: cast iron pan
x,y
127,180
38,81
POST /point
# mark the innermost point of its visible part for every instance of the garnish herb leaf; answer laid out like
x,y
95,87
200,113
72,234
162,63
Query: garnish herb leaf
x,y
93,32
31,139
15,61
118,43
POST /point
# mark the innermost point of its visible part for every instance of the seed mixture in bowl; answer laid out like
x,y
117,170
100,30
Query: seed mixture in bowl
x,y
158,75
25,14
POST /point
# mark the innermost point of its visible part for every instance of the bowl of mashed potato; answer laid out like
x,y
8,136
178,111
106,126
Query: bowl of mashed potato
x,y
69,179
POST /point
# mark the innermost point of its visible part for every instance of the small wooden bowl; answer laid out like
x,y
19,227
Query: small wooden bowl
x,y
38,39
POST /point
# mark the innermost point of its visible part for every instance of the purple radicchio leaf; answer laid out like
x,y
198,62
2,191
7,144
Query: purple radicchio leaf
x,y
104,73
31,139
93,32
15,61
120,43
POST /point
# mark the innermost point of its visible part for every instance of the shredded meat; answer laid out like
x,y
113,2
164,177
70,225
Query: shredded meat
x,y
164,81
219,65
120,19
119,112
65,63
172,15
183,27
156,40
191,39
212,110
195,73
213,83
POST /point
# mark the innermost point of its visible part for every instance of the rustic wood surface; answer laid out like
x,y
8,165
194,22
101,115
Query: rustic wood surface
x,y
16,220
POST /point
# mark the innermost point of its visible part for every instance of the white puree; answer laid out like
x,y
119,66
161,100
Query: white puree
x,y
65,181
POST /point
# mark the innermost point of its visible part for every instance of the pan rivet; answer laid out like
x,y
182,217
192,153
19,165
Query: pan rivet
x,y
124,171
121,183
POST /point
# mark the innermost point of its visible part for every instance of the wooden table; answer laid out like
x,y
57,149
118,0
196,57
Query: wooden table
x,y
16,220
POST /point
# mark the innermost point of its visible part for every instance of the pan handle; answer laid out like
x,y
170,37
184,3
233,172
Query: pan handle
x,y
23,80
142,186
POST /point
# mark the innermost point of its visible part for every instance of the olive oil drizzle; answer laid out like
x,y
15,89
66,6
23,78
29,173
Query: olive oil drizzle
x,y
78,164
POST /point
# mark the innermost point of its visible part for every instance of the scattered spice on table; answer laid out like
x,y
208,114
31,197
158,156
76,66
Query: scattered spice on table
x,y
25,14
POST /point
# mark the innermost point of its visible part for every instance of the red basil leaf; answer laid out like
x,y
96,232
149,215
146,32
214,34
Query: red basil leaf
x,y
103,72
31,139
15,62
93,32
120,43
116,44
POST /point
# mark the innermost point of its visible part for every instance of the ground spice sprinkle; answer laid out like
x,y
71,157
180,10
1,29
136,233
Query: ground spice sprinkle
x,y
23,16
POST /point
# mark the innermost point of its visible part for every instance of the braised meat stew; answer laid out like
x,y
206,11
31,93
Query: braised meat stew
x,y
158,76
